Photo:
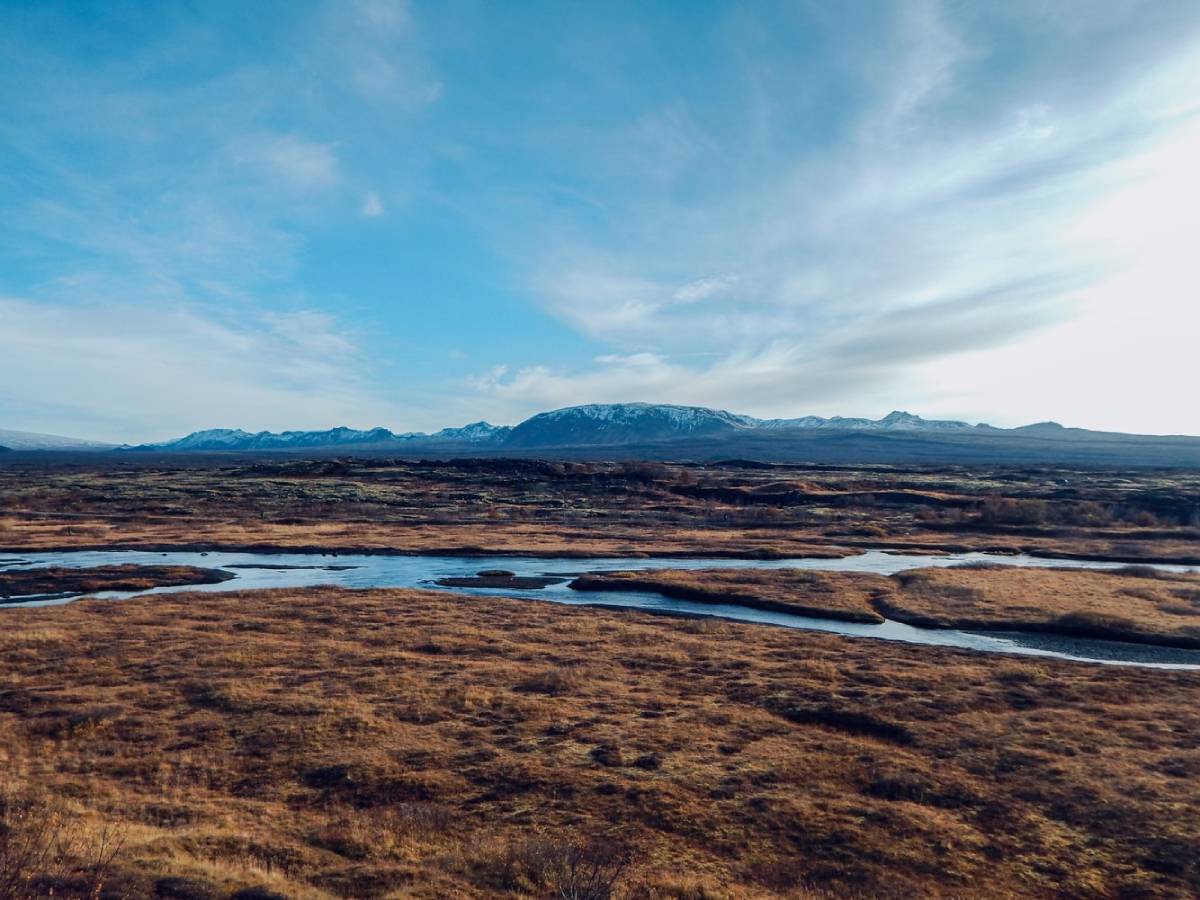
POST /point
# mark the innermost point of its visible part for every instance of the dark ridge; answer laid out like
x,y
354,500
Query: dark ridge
x,y
850,722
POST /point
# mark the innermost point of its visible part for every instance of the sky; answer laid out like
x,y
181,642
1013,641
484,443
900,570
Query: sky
x,y
416,215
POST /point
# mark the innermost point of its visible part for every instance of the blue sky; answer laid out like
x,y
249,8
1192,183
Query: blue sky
x,y
419,214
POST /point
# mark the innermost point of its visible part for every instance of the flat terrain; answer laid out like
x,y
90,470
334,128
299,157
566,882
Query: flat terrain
x,y
324,743
329,743
1126,604
849,596
593,509
1131,604
56,580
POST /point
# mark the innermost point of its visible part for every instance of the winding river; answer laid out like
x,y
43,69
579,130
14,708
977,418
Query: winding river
x,y
278,570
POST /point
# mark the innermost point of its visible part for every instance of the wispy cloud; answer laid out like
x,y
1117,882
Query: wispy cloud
x,y
291,159
966,211
372,206
369,46
166,201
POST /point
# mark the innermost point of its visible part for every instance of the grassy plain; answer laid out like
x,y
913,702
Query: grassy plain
x,y
1135,603
593,509
56,580
324,743
327,743
849,596
1138,604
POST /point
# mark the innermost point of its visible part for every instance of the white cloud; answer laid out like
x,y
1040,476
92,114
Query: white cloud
x,y
878,273
371,47
290,158
137,373
704,288
932,50
390,17
372,206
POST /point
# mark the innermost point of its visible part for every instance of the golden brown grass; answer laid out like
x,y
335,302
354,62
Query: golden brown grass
x,y
328,743
591,509
1130,604
59,580
848,596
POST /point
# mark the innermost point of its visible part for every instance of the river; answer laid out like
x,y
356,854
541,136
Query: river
x,y
281,570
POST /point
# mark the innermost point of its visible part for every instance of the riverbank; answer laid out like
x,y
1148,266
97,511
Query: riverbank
x,y
844,596
19,585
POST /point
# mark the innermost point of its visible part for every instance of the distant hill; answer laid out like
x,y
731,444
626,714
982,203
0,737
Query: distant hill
x,y
227,439
593,425
29,440
662,431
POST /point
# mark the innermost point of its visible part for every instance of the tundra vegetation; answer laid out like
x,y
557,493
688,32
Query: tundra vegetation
x,y
1133,603
324,743
16,584
328,743
594,509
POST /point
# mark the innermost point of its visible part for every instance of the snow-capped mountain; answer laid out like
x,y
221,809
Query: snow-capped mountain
x,y
29,440
234,439
605,430
594,424
476,432
617,423
620,423
893,421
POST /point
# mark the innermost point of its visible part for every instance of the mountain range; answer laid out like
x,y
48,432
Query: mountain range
x,y
662,431
608,424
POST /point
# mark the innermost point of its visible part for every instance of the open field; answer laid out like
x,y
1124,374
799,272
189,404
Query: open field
x,y
1130,604
329,743
320,743
593,509
1125,604
849,596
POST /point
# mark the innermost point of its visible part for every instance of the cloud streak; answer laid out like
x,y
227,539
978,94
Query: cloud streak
x,y
427,214
957,215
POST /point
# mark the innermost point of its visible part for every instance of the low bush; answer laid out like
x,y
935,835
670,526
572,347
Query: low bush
x,y
564,868
552,682
44,853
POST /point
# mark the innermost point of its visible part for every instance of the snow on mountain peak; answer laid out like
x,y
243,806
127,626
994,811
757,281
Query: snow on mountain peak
x,y
587,424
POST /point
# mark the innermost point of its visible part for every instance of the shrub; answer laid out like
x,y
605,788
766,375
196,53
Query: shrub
x,y
899,784
258,892
567,869
32,844
551,681
41,849
174,887
1007,511
851,722
608,755
1098,624
1140,572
